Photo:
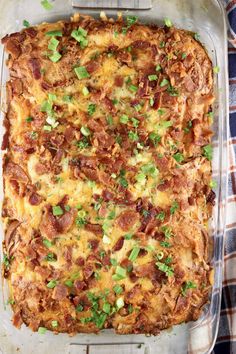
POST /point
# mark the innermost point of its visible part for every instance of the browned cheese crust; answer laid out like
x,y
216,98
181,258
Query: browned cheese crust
x,y
107,176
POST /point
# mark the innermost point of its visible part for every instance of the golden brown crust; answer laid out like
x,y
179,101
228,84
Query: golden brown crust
x,y
107,176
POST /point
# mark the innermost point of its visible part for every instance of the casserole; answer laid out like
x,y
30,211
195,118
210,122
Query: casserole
x,y
221,123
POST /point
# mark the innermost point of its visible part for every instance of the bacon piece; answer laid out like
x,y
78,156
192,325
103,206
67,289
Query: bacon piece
x,y
109,104
34,65
44,271
164,185
126,263
29,252
39,119
17,319
118,245
143,87
124,57
41,168
68,254
10,233
45,85
57,139
35,199
13,47
95,125
15,172
107,195
127,219
150,271
65,221
17,87
80,285
69,134
210,198
119,80
80,261
94,244
161,162
92,66
141,44
103,140
88,270
31,32
48,225
60,292
94,228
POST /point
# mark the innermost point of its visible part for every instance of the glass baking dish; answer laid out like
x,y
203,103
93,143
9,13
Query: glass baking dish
x,y
207,18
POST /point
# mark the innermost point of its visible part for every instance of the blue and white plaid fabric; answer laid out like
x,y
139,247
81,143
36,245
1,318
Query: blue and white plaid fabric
x,y
226,339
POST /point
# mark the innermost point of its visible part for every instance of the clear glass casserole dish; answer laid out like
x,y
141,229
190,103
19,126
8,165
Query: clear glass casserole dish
x,y
207,18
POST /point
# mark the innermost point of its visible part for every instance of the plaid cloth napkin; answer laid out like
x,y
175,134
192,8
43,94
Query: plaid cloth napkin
x,y
226,340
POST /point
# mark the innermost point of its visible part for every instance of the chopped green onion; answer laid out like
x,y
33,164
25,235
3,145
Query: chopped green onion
x,y
91,108
168,22
79,308
55,57
46,4
133,135
85,131
80,36
118,289
186,286
152,77
29,119
133,88
124,119
208,152
85,91
26,23
165,244
151,102
158,67
57,33
131,20
172,91
54,324
47,243
51,284
67,98
216,69
106,307
69,283
50,257
134,254
161,216
196,36
164,83
53,43
81,72
155,138
213,183
140,177
120,273
178,157
120,302
42,330
174,207
169,272
113,261
184,55
57,210
128,236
